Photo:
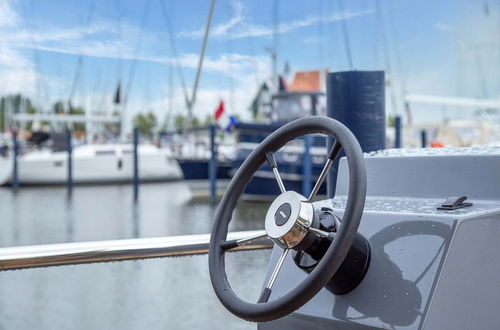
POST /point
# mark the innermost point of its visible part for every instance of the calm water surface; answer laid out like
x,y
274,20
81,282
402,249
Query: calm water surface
x,y
169,293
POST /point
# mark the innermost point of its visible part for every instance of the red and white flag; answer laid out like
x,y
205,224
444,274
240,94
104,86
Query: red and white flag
x,y
219,111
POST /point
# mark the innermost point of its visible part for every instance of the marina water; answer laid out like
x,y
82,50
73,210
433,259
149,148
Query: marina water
x,y
166,293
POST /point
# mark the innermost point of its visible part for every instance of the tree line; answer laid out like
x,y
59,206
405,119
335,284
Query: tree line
x,y
147,122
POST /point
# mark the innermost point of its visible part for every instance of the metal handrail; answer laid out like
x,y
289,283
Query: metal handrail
x,y
117,250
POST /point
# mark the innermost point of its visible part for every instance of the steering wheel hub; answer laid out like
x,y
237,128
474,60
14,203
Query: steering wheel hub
x,y
288,219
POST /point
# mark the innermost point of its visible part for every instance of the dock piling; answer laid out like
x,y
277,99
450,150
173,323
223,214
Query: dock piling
x,y
212,165
135,179
15,152
423,138
397,132
69,148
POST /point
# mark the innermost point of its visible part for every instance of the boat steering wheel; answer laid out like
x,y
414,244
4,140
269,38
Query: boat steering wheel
x,y
290,221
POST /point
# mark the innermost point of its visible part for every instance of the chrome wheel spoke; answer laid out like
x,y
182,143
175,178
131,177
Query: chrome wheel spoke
x,y
322,233
324,172
227,245
266,293
274,167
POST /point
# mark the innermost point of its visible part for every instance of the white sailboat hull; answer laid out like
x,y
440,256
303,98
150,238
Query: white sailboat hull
x,y
93,164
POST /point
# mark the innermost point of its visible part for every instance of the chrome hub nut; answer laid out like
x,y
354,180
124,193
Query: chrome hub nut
x,y
288,219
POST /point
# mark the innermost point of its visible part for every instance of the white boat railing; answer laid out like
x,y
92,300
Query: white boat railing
x,y
117,250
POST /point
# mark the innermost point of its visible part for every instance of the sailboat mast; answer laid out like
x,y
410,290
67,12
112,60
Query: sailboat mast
x,y
200,63
274,50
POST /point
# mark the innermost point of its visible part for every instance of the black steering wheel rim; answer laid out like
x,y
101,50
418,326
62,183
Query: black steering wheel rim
x,y
337,251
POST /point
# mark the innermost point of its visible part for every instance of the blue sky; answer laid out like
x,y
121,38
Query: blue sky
x,y
447,47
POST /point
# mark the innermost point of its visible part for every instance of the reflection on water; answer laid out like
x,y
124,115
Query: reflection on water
x,y
170,293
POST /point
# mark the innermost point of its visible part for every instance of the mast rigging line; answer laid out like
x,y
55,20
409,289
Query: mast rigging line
x,y
345,34
136,54
36,59
274,51
190,102
230,69
118,12
174,51
387,58
399,63
79,64
321,37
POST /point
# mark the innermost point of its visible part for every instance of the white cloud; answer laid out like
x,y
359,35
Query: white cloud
x,y
206,102
248,72
443,27
16,70
312,20
29,82
237,66
101,39
238,15
19,80
51,33
114,49
80,41
12,59
237,26
233,65
314,40
8,16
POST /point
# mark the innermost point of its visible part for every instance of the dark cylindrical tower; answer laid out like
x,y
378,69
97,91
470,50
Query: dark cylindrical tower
x,y
357,99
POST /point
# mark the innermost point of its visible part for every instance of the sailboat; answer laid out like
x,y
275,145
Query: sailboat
x,y
44,160
92,163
